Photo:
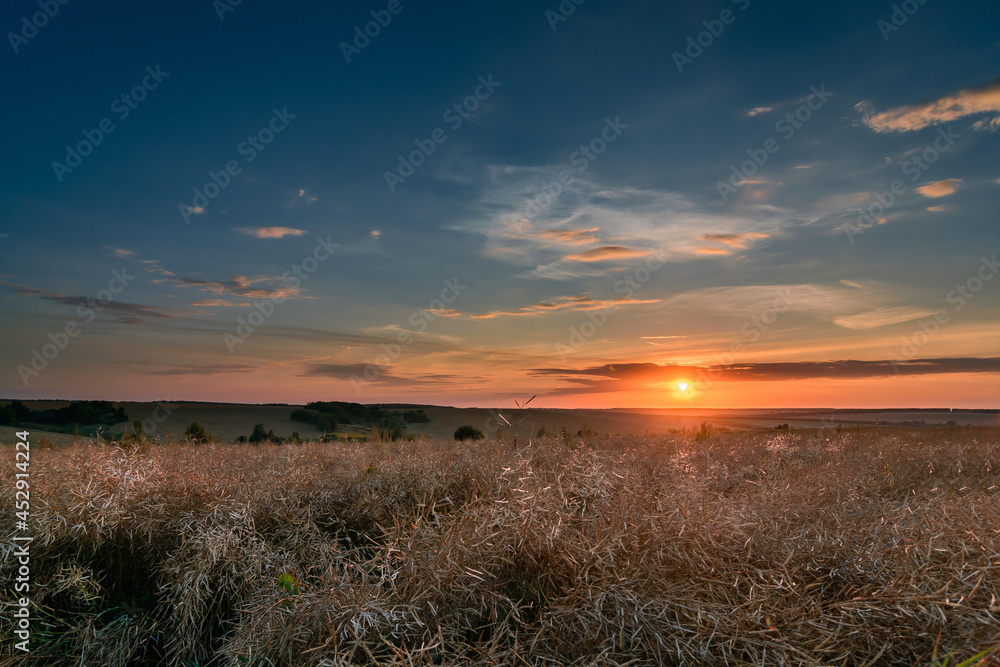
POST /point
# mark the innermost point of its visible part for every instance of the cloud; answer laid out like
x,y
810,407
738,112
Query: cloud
x,y
121,252
711,251
444,312
384,377
123,311
758,110
749,300
270,232
581,303
250,288
214,303
985,99
196,369
570,236
197,210
342,371
940,188
604,253
526,226
619,377
303,197
881,317
735,240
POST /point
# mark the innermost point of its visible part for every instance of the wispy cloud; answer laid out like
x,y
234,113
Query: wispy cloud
x,y
521,231
124,311
270,232
608,252
881,317
220,303
154,368
735,240
582,303
260,287
971,101
570,236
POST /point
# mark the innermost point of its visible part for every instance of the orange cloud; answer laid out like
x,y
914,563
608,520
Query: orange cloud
x,y
736,240
940,188
271,232
444,312
607,252
711,251
985,99
570,236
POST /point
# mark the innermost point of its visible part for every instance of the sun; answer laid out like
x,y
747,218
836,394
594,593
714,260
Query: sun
x,y
682,386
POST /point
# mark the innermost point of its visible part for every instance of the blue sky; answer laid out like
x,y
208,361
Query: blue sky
x,y
598,207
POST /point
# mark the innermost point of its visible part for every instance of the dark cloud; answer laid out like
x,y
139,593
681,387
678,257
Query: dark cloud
x,y
203,369
617,377
123,311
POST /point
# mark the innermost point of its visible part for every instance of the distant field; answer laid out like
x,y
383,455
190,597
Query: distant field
x,y
227,421
871,546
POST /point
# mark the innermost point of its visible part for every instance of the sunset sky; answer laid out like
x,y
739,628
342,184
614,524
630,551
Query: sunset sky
x,y
776,204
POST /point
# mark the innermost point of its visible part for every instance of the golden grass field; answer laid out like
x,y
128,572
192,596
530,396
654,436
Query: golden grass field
x,y
816,547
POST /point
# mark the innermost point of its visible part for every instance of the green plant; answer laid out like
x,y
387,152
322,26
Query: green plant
x,y
196,433
467,432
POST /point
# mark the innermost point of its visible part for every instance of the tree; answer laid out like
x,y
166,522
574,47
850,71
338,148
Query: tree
x,y
468,433
258,435
195,432
416,416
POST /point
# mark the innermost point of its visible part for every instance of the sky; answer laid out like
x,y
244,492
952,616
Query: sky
x,y
723,204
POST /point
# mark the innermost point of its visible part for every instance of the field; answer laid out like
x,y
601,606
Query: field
x,y
853,546
227,421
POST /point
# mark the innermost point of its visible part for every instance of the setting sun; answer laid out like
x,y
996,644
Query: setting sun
x,y
682,386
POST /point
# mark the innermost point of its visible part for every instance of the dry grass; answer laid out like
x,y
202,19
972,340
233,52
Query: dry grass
x,y
864,548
